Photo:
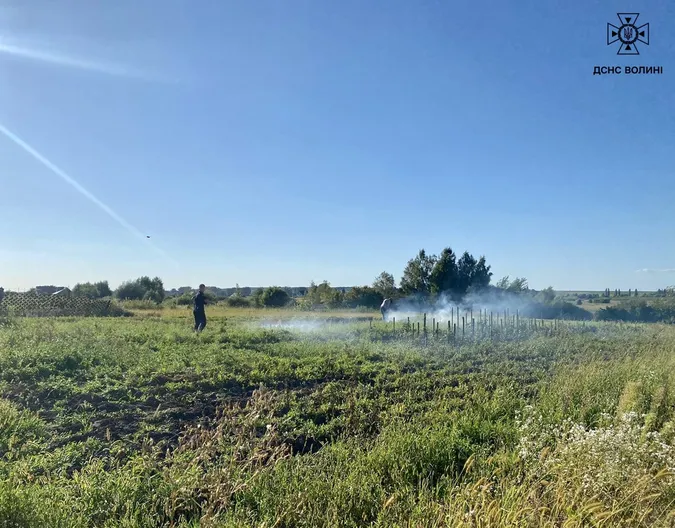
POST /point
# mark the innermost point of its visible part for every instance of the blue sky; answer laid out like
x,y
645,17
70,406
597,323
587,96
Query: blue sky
x,y
270,142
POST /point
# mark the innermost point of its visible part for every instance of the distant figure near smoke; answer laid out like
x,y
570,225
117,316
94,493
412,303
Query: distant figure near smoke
x,y
384,308
198,309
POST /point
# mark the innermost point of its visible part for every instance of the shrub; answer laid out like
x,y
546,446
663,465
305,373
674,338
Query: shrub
x,y
275,297
237,301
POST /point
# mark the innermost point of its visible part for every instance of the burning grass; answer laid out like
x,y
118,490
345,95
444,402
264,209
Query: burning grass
x,y
140,423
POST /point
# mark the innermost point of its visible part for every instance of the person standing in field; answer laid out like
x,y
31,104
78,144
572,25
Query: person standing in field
x,y
198,309
384,308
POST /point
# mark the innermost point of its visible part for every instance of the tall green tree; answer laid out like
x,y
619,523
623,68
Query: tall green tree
x,y
445,275
465,270
482,275
416,279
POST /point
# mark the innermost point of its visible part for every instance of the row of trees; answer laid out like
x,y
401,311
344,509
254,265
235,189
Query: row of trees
x,y
617,293
141,289
431,275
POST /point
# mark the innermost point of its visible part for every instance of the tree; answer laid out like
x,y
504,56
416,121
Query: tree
x,y
364,296
97,290
481,275
86,289
143,288
257,298
546,295
324,294
444,275
275,296
503,283
417,274
519,284
385,284
465,271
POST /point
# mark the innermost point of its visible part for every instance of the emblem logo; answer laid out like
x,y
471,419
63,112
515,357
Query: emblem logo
x,y
628,34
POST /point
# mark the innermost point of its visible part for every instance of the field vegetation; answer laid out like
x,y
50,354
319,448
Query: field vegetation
x,y
278,418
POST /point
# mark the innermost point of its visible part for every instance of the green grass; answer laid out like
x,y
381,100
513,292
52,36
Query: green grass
x,y
138,422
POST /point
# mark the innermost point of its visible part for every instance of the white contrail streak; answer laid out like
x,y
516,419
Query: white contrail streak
x,y
60,173
74,62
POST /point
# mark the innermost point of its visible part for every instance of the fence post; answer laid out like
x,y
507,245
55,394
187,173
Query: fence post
x,y
518,322
394,323
425,323
463,326
448,331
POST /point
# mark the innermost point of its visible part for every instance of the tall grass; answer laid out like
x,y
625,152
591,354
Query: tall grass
x,y
141,423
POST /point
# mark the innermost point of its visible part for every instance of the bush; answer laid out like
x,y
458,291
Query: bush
x,y
237,301
275,297
141,305
639,310
98,290
364,297
557,310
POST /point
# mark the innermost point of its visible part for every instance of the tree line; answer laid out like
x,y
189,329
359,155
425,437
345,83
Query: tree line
x,y
424,277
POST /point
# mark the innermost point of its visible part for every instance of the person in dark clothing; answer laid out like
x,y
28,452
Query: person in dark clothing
x,y
198,309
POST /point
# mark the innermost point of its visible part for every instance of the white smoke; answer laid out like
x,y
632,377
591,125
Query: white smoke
x,y
295,324
492,304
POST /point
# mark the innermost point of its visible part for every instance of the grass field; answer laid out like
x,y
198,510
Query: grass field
x,y
138,422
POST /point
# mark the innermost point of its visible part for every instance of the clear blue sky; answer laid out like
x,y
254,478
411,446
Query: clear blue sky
x,y
270,142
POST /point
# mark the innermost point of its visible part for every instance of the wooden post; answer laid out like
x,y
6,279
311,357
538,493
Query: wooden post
x,y
371,322
454,331
463,326
518,321
418,328
473,329
448,331
433,325
425,323
394,323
